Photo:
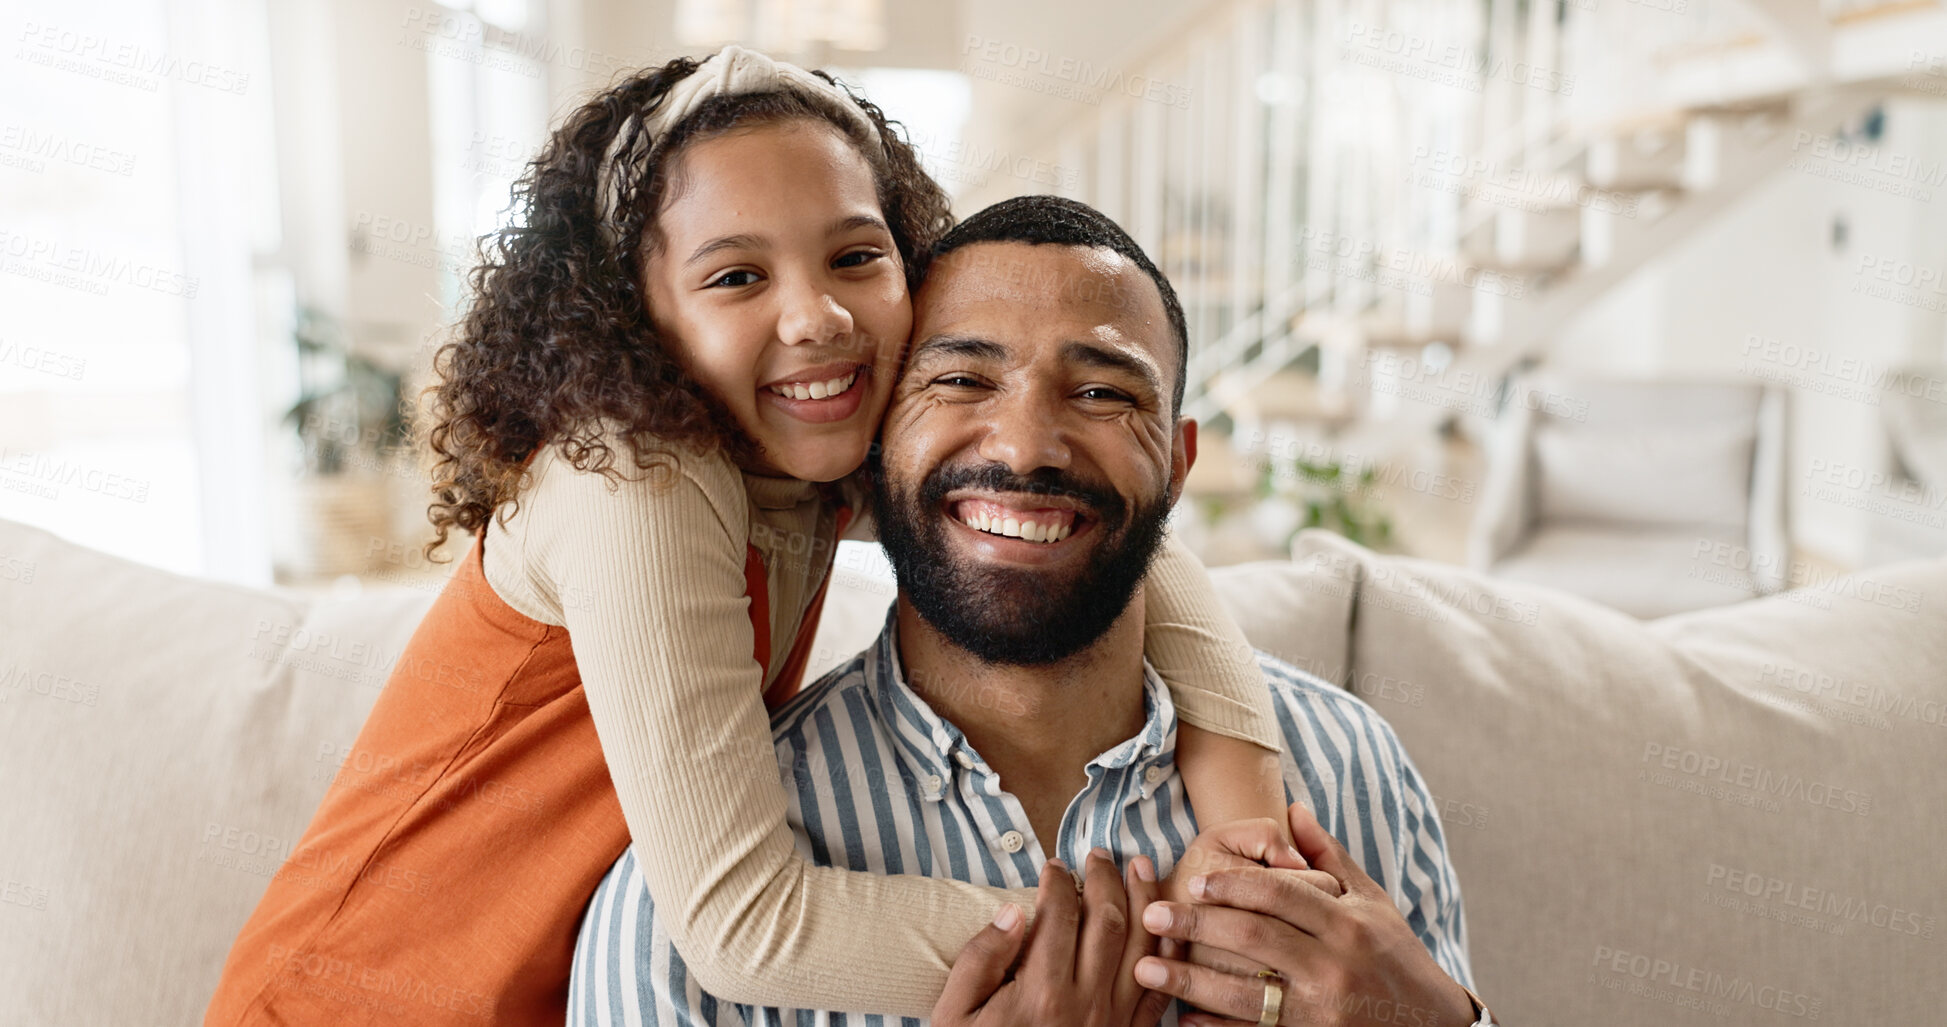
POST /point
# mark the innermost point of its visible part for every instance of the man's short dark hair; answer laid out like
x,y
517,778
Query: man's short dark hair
x,y
1056,221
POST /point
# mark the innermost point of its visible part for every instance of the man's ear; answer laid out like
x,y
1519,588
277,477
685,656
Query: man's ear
x,y
1183,455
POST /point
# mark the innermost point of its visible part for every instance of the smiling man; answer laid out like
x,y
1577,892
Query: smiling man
x,y
1006,715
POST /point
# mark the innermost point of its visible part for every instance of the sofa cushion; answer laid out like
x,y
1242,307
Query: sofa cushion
x,y
1642,572
164,742
1659,478
1724,817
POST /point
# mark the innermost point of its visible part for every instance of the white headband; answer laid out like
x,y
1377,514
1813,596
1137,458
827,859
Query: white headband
x,y
732,70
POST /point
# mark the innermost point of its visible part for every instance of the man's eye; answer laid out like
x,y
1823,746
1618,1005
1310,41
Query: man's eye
x,y
958,381
1103,392
733,280
858,258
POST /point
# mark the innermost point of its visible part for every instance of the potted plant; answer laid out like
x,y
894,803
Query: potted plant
x,y
1329,494
352,437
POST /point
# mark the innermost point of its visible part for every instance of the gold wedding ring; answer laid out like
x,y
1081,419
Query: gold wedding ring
x,y
1273,998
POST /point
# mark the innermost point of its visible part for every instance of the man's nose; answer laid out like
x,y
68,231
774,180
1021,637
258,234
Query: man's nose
x,y
810,313
1025,431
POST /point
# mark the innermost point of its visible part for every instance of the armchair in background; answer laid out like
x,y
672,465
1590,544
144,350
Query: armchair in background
x,y
1651,497
1914,413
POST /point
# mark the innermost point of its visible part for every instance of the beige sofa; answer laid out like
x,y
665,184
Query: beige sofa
x,y
1721,818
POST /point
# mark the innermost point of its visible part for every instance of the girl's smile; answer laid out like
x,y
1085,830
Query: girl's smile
x,y
819,397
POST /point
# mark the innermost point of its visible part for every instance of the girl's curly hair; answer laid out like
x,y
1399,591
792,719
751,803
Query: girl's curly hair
x,y
558,347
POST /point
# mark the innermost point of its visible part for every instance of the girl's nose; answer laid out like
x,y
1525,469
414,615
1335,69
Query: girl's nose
x,y
813,315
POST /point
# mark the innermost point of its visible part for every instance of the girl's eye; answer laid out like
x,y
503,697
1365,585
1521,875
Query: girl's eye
x,y
733,279
858,258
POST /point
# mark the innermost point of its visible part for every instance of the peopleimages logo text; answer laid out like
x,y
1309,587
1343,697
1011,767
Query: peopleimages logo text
x,y
1740,774
1822,901
1033,60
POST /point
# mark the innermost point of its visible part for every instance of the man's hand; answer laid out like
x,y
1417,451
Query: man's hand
x,y
1240,843
1078,970
1346,959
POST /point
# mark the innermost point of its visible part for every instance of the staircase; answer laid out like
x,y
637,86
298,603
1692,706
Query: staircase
x,y
1367,189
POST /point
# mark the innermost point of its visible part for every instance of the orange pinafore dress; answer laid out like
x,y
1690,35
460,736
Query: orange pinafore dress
x,y
444,881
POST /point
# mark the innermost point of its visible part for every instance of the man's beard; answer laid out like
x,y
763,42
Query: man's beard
x,y
1016,615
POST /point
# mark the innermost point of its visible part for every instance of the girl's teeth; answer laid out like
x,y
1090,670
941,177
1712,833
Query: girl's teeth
x,y
816,390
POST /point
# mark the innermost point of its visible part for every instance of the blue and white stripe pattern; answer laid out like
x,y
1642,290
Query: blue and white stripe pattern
x,y
860,726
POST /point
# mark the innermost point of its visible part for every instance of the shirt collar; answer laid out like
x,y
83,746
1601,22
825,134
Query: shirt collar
x,y
935,750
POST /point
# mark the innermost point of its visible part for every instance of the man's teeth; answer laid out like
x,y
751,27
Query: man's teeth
x,y
815,390
1015,528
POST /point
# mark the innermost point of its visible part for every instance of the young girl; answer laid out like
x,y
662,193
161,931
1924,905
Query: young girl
x,y
653,445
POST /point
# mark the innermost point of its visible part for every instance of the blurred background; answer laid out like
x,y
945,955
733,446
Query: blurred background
x,y
1646,300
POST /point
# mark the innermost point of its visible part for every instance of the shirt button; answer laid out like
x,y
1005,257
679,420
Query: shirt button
x,y
1012,841
965,760
1153,774
933,784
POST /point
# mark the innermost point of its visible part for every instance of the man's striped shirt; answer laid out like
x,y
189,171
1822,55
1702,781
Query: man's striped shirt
x,y
837,739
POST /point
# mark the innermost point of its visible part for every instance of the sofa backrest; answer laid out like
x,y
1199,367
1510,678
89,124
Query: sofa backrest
x,y
164,742
1720,817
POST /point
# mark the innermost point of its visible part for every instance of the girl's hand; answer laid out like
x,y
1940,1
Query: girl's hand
x,y
1240,843
1345,954
1077,969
